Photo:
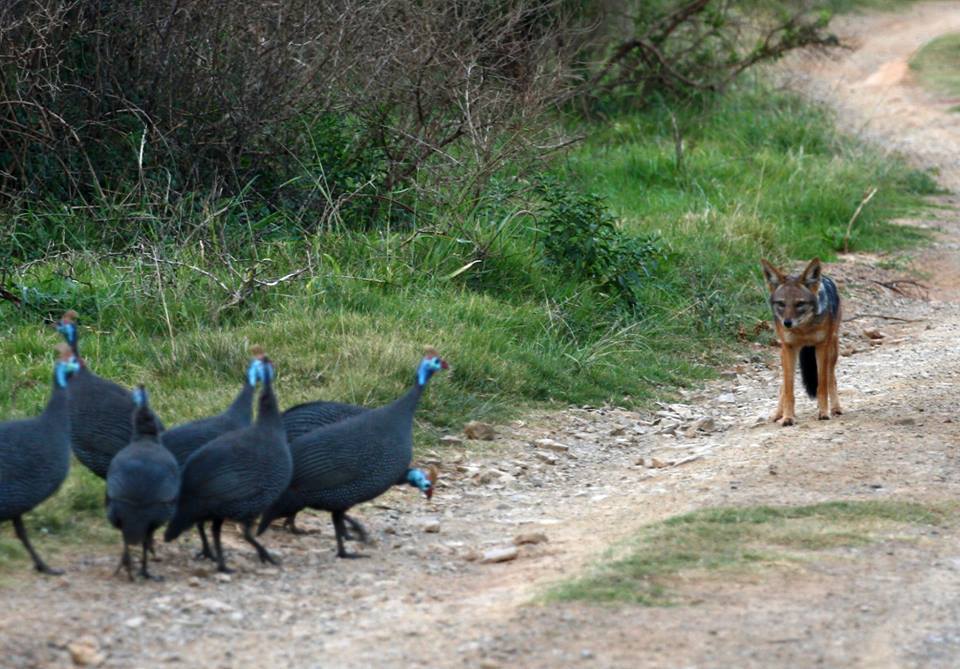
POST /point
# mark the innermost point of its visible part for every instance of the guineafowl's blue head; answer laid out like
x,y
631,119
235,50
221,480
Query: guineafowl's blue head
x,y
255,369
425,481
140,396
65,366
67,326
431,363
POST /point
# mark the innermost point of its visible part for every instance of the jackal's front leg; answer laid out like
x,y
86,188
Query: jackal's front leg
x,y
823,380
788,360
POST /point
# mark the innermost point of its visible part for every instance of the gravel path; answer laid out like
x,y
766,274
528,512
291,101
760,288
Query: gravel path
x,y
583,479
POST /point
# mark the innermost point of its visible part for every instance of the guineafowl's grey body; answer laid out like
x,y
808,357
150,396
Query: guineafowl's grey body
x,y
184,439
306,417
34,461
100,411
142,485
354,460
236,476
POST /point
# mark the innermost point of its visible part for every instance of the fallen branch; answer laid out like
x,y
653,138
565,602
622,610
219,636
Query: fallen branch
x,y
856,214
885,317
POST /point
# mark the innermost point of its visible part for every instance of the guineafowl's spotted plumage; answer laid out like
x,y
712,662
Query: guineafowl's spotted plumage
x,y
355,460
35,456
142,485
306,417
183,440
100,410
236,476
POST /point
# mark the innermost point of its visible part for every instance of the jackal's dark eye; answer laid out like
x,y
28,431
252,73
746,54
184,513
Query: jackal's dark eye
x,y
779,303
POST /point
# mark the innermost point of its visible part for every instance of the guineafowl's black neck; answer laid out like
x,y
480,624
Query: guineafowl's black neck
x,y
242,405
145,425
57,409
268,411
410,399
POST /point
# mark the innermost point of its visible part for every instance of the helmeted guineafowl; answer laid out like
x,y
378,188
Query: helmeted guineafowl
x,y
357,459
142,484
100,410
302,418
236,476
35,455
183,440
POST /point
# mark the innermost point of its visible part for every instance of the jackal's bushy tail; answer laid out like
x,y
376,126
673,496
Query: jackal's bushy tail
x,y
808,369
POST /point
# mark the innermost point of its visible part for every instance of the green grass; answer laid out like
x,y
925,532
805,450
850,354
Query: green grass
x,y
762,174
732,539
937,65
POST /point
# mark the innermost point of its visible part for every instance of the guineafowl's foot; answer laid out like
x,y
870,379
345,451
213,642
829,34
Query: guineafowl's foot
x,y
151,577
44,568
356,531
291,524
205,554
125,564
262,552
351,556
224,569
38,562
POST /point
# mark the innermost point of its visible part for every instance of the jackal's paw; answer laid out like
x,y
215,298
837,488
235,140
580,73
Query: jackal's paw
x,y
836,411
788,421
823,416
775,416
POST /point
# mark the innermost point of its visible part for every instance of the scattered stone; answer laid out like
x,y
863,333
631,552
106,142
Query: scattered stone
x,y
430,525
530,538
905,421
656,463
193,582
488,476
773,470
586,654
874,334
705,424
480,431
728,374
451,440
640,462
134,623
552,445
85,652
224,578
546,458
727,398
504,554
487,663
211,605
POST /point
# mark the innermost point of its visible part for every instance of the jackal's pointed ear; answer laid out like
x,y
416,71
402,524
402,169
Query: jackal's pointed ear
x,y
773,276
811,274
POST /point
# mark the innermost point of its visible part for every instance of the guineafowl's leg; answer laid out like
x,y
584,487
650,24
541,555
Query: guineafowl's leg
x,y
221,563
341,531
125,561
357,531
41,566
147,546
261,551
205,552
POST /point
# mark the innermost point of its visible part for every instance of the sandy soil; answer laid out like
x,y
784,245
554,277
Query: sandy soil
x,y
421,599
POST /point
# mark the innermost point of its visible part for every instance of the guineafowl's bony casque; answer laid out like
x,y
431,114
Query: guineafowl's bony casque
x,y
236,476
100,410
35,455
357,459
142,484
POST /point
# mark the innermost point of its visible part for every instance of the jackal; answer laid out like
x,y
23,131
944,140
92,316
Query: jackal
x,y
806,316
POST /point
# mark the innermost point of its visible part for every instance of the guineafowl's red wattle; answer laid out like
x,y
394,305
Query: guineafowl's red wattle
x,y
142,485
35,456
355,460
236,476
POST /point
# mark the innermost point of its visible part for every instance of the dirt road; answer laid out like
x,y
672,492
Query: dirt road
x,y
421,600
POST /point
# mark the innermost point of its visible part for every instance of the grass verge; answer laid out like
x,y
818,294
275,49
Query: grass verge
x,y
937,65
732,539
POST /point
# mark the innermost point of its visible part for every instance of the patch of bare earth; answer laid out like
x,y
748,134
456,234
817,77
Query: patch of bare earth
x,y
424,599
